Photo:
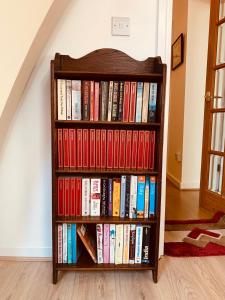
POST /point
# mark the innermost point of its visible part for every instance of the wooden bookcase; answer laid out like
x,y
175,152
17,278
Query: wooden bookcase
x,y
107,64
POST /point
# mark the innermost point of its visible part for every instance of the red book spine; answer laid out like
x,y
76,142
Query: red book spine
x,y
79,149
152,150
128,150
116,139
109,149
66,148
126,101
98,149
72,148
72,196
92,148
61,191
78,196
133,94
134,149
60,148
85,148
96,102
67,196
140,154
92,100
122,149
103,148
146,149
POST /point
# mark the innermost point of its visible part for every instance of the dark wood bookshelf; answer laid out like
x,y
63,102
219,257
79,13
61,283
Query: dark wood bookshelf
x,y
107,64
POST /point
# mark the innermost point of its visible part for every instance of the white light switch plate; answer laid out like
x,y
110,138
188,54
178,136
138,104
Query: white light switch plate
x,y
120,26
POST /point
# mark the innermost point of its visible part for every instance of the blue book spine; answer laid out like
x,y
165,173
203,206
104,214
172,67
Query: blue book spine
x,y
69,244
152,196
139,102
110,186
152,102
140,196
122,196
74,243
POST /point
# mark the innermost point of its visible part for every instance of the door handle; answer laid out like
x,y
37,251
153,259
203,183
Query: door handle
x,y
208,97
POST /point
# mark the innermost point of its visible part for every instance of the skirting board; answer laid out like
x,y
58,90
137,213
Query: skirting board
x,y
183,185
39,253
24,259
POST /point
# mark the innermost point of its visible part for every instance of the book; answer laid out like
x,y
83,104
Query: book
x,y
66,161
115,101
140,196
146,244
76,100
139,102
133,197
116,197
119,244
64,243
92,149
110,198
134,150
144,118
96,101
72,148
138,244
152,102
104,197
132,243
85,95
147,189
72,196
147,152
122,196
128,149
68,99
127,197
133,92
116,144
104,100
95,196
99,236
152,196
140,153
98,148
87,240
122,149
109,153
103,148
61,191
79,148
106,244
86,148
67,196
126,243
61,98
112,243
92,100
75,252
110,99
69,244
60,244
152,150
86,190
78,195
126,101
120,101
60,147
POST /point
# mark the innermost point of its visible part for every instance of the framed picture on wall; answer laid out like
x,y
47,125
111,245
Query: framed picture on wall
x,y
178,52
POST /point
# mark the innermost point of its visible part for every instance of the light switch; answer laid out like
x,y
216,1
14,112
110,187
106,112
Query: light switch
x,y
120,26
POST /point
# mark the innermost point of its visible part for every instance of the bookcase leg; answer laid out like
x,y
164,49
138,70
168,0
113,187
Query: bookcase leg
x,y
155,275
55,276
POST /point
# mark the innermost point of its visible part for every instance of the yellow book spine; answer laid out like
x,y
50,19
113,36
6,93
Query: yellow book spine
x,y
116,198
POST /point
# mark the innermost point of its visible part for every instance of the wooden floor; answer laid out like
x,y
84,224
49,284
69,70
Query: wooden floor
x,y
182,205
180,278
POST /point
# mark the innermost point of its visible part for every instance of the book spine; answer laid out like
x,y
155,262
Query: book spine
x,y
61,97
115,101
67,196
128,149
140,154
79,149
116,197
112,243
134,150
92,100
126,101
72,196
98,149
133,92
61,192
138,244
122,196
152,150
86,148
104,196
74,243
60,147
106,244
127,197
140,196
68,99
109,149
132,243
145,102
64,243
78,192
152,102
121,98
122,149
99,233
60,244
133,197
126,243
152,196
110,198
116,140
72,148
76,100
146,150
86,196
139,101
103,148
69,244
104,100
96,105
119,244
66,150
85,100
147,189
92,148
95,196
146,244
110,101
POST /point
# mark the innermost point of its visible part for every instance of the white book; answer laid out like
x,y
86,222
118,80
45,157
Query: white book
x,y
110,101
61,97
139,101
133,197
95,196
99,233
119,244
126,243
145,102
76,100
60,244
147,190
65,243
112,243
86,189
138,244
68,99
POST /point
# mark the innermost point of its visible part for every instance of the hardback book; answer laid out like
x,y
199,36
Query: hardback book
x,y
106,244
146,244
95,196
152,150
134,149
122,196
72,148
92,100
99,235
140,196
138,244
85,93
126,243
68,99
140,153
104,197
76,100
60,147
75,252
119,244
122,149
152,196
79,148
66,161
60,244
109,149
98,148
116,144
64,243
147,189
152,102
116,197
67,196
115,101
126,101
128,150
78,195
69,244
147,152
104,100
144,118
86,148
112,243
110,197
132,243
133,93
72,196
110,101
133,197
127,197
88,240
61,97
96,102
120,101
86,192
92,162
103,148
139,102
61,191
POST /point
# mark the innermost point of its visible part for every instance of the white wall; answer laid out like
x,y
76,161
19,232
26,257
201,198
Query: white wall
x,y
25,159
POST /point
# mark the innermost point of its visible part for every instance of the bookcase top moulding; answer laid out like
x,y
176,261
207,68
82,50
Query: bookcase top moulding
x,y
107,62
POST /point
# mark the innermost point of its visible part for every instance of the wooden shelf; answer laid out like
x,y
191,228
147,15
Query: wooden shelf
x,y
104,220
103,171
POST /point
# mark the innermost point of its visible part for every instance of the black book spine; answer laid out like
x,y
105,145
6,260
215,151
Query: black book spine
x,y
104,189
115,101
127,197
132,244
121,95
146,244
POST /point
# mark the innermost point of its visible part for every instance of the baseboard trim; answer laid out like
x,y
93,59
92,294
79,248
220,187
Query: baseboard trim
x,y
24,259
175,181
184,186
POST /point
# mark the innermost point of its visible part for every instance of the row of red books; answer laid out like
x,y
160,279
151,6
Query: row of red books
x,y
106,149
